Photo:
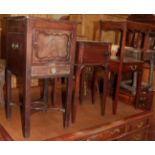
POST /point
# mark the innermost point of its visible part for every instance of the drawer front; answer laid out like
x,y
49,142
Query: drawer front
x,y
96,53
15,52
131,67
16,25
50,70
51,45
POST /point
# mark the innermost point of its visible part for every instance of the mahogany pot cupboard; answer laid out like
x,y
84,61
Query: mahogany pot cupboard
x,y
38,48
91,54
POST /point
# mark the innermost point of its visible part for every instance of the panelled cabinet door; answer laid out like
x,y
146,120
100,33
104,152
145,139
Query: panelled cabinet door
x,y
51,52
51,45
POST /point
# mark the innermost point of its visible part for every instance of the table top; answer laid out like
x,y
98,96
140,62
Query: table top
x,y
91,41
125,60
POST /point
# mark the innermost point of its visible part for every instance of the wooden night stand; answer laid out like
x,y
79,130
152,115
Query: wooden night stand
x,y
38,49
91,54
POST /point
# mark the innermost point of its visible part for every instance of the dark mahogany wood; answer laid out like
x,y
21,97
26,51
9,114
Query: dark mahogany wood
x,y
90,54
42,49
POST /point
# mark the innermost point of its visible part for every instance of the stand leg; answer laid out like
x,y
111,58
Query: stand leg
x,y
26,106
116,95
76,94
68,101
45,92
93,87
104,91
82,82
8,94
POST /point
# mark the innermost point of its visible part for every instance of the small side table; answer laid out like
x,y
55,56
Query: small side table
x,y
2,80
90,54
128,66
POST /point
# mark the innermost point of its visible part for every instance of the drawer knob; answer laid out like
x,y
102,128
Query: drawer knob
x,y
133,68
15,46
53,70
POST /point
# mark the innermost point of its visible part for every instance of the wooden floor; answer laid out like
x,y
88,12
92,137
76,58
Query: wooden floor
x,y
45,125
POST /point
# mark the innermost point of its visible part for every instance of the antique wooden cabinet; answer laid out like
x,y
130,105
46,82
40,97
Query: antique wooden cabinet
x,y
38,48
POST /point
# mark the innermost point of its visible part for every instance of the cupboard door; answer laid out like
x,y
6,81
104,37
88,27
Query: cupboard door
x,y
51,46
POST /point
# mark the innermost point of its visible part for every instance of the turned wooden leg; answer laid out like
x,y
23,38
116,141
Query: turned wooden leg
x,y
76,94
68,101
8,94
26,106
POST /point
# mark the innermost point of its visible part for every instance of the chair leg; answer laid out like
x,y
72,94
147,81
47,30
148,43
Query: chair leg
x,y
68,101
76,94
26,107
8,94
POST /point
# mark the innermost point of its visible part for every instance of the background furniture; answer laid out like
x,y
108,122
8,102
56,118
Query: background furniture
x,y
148,19
40,49
118,64
146,98
90,54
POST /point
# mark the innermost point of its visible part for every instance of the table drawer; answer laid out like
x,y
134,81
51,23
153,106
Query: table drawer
x,y
89,52
96,53
131,67
16,25
50,70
